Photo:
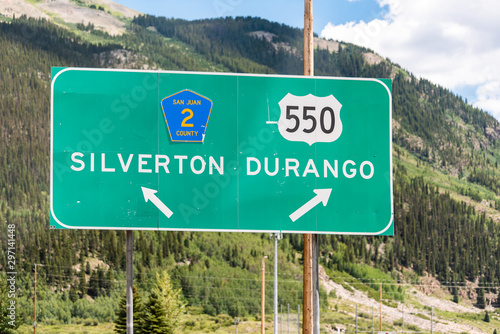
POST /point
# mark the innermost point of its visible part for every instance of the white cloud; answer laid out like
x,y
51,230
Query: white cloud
x,y
450,42
488,98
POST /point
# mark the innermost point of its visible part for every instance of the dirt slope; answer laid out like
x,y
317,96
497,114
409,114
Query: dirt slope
x,y
391,314
111,20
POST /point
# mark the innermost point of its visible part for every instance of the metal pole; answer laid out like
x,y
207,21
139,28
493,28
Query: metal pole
x,y
236,321
288,321
315,282
276,283
308,292
263,297
298,319
34,323
130,303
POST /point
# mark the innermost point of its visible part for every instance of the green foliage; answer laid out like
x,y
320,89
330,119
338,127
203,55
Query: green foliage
x,y
481,303
9,319
89,27
224,41
486,317
455,295
138,314
163,308
155,320
449,231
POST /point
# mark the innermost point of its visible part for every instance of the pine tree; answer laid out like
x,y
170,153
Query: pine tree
x,y
164,307
82,284
7,324
486,317
93,286
455,295
109,282
73,294
87,268
154,320
121,314
480,298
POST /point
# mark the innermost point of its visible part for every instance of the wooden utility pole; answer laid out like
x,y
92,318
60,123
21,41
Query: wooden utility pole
x,y
308,39
263,297
34,323
307,326
130,284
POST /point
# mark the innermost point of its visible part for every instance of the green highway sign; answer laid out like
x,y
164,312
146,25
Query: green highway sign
x,y
161,150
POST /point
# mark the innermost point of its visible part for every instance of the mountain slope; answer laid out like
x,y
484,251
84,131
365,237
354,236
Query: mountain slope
x,y
105,15
445,170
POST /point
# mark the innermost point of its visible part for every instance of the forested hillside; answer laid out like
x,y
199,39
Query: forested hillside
x,y
446,178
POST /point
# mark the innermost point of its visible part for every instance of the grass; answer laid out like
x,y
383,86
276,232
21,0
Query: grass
x,y
4,18
194,324
33,2
104,328
197,323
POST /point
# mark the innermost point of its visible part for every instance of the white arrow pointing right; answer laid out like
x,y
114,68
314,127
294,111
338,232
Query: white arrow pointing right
x,y
149,194
322,195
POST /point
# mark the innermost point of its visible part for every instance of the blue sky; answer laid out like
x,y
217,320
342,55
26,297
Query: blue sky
x,y
453,43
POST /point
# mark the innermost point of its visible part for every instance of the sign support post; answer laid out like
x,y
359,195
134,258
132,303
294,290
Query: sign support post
x,y
130,292
309,291
276,237
315,282
263,297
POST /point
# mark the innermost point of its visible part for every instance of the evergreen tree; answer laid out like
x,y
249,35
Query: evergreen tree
x,y
87,268
82,284
455,295
73,294
486,317
121,314
155,320
93,286
7,324
108,286
480,298
164,307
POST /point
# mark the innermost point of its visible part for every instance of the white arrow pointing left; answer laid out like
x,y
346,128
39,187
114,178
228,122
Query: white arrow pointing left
x,y
149,195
